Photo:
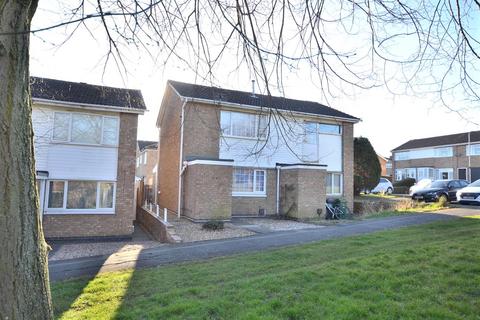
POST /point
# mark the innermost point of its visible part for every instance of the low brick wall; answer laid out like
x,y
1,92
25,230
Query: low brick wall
x,y
159,230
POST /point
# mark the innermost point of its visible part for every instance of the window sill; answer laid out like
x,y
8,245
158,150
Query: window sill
x,y
78,212
249,194
243,138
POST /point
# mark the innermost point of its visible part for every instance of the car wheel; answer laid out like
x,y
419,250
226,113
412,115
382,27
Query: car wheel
x,y
389,190
443,198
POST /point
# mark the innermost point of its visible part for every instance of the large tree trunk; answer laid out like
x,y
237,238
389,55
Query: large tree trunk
x,y
24,288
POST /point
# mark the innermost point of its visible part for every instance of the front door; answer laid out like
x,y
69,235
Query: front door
x,y
462,173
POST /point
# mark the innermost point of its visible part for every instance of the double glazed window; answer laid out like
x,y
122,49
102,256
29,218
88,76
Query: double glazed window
x,y
474,150
80,195
85,128
313,129
333,184
239,124
247,181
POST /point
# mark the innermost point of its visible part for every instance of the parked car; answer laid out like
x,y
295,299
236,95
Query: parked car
x,y
440,189
383,186
470,194
421,184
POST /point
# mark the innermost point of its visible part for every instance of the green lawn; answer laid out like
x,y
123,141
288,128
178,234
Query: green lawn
x,y
424,272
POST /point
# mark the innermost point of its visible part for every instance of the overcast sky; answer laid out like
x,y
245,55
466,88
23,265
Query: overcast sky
x,y
387,120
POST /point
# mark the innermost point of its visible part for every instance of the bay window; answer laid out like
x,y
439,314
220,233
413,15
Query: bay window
x,y
333,184
78,196
248,182
240,124
85,128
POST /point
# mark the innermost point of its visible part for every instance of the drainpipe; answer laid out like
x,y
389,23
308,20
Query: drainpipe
x,y
180,161
277,200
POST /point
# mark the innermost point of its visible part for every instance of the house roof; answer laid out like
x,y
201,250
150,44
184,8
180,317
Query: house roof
x,y
83,93
258,100
143,144
457,138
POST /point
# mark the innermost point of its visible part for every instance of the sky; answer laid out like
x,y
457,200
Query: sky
x,y
387,120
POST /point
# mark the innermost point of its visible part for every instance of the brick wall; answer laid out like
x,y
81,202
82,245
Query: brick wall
x,y
302,193
251,205
347,144
207,192
169,151
202,131
100,225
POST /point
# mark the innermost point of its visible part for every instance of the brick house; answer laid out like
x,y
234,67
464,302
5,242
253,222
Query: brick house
x,y
454,156
85,141
146,168
225,153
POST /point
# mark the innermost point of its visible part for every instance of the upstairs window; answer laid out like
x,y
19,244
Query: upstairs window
x,y
474,150
85,129
313,129
443,152
239,124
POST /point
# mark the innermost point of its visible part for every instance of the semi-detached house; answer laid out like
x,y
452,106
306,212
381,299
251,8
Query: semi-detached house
x,y
85,143
454,156
225,153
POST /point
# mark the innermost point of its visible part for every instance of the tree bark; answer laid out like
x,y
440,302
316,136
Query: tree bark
x,y
24,286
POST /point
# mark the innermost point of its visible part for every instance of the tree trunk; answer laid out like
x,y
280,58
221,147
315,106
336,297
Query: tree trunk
x,y
24,287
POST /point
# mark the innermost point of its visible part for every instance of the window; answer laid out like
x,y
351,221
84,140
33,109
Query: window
x,y
329,128
105,195
474,150
399,174
443,152
145,157
55,197
411,173
240,124
247,181
85,128
311,134
61,126
401,156
110,129
333,184
81,197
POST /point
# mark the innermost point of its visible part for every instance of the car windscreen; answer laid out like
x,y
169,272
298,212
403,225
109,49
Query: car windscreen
x,y
475,184
439,184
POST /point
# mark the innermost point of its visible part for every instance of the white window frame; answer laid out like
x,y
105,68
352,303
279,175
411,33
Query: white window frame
x,y
332,183
473,149
69,140
64,209
252,193
257,136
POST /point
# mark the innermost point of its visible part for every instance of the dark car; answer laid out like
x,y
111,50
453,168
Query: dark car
x,y
446,189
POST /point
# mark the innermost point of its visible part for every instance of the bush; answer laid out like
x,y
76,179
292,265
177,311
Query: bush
x,y
407,182
213,225
366,168
401,190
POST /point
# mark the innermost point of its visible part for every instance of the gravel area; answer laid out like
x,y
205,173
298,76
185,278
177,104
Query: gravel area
x,y
63,251
275,225
190,232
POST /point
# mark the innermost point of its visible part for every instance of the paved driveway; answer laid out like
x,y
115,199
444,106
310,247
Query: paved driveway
x,y
175,253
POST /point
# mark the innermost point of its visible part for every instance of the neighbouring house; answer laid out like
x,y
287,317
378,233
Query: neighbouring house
x,y
225,153
454,156
385,165
85,139
146,169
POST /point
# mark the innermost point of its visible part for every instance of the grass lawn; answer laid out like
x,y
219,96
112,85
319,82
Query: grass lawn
x,y
423,272
417,208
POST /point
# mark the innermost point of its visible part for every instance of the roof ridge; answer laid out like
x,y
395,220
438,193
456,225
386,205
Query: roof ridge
x,y
84,83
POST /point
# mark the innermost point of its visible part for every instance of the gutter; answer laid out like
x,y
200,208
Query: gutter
x,y
98,107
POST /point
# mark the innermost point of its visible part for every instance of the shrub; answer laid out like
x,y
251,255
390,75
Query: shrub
x,y
407,182
213,225
367,168
442,202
